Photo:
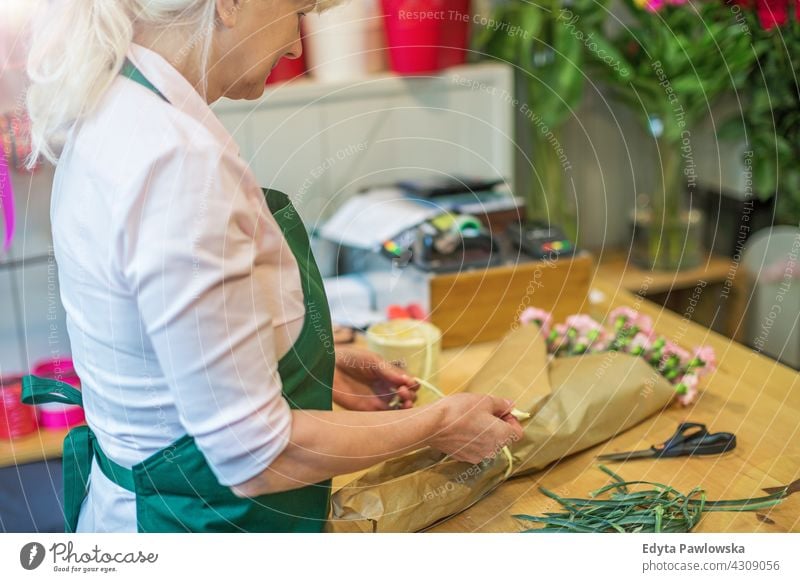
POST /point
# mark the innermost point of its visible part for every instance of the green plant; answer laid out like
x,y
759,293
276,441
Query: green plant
x,y
548,55
657,509
678,58
770,120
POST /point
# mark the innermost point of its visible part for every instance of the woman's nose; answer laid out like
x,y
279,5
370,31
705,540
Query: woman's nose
x,y
295,49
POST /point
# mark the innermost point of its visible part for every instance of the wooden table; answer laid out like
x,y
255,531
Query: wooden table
x,y
39,446
618,266
710,290
750,395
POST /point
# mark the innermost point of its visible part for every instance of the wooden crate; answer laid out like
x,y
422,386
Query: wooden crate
x,y
479,306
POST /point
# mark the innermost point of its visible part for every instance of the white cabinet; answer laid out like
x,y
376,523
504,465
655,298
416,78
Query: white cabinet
x,y
322,142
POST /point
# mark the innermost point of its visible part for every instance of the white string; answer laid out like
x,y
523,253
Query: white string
x,y
518,414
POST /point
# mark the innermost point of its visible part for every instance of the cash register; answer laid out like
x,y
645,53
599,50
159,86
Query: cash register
x,y
443,244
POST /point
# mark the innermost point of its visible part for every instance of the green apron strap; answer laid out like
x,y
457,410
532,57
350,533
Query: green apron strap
x,y
76,468
79,448
38,390
115,472
130,71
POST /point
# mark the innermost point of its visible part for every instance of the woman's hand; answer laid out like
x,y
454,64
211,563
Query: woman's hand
x,y
365,381
475,427
324,443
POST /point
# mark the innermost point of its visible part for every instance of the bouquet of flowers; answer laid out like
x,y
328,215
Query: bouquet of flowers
x,y
629,332
569,405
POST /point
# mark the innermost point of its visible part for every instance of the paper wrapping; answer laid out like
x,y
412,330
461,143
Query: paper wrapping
x,y
575,402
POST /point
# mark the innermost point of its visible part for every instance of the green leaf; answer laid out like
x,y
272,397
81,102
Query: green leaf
x,y
659,509
764,179
732,129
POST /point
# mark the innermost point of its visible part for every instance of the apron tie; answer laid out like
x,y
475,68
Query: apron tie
x,y
80,447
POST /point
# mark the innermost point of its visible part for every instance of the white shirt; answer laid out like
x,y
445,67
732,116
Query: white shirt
x,y
180,291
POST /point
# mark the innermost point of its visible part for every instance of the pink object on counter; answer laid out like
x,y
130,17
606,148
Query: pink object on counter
x,y
63,370
59,416
16,419
66,417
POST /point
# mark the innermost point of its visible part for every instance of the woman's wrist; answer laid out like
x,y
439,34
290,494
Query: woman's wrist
x,y
435,419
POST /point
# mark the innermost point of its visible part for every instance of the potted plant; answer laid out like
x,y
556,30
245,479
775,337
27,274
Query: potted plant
x,y
669,60
426,36
548,56
770,122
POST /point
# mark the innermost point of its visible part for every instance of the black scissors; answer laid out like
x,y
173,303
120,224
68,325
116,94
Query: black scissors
x,y
690,439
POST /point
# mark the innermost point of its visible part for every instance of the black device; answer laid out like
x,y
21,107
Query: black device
x,y
540,240
446,243
446,185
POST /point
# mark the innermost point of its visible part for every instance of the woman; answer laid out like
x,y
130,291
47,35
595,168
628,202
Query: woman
x,y
196,314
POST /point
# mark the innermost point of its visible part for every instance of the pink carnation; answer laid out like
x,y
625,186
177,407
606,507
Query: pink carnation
x,y
628,313
708,357
689,382
539,316
560,340
602,342
672,349
630,318
586,340
641,340
583,324
644,323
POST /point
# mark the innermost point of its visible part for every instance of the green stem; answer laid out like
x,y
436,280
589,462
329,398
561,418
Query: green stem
x,y
548,198
665,232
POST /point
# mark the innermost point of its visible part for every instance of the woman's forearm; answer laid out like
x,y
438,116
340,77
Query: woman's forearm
x,y
325,443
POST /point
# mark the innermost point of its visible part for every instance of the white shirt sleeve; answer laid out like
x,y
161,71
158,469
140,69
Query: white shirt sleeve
x,y
191,259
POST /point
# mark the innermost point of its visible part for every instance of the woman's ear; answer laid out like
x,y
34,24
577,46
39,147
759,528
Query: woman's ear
x,y
228,12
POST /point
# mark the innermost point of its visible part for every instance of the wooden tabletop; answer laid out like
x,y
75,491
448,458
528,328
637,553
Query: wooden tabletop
x,y
750,395
41,445
618,266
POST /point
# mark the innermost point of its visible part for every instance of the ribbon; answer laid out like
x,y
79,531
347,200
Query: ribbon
x,y
6,198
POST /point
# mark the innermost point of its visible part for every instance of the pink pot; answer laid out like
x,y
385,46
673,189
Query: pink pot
x,y
425,36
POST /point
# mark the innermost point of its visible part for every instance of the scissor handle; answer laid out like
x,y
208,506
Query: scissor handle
x,y
693,438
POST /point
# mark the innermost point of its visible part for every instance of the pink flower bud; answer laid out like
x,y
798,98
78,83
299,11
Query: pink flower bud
x,y
673,349
641,340
707,358
687,389
583,324
539,316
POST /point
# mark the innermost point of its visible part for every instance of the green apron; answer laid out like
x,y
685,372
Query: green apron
x,y
175,488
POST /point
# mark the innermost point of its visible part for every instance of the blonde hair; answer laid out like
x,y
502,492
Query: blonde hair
x,y
80,45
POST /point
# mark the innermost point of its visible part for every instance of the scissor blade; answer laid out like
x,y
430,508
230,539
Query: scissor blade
x,y
645,454
793,487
